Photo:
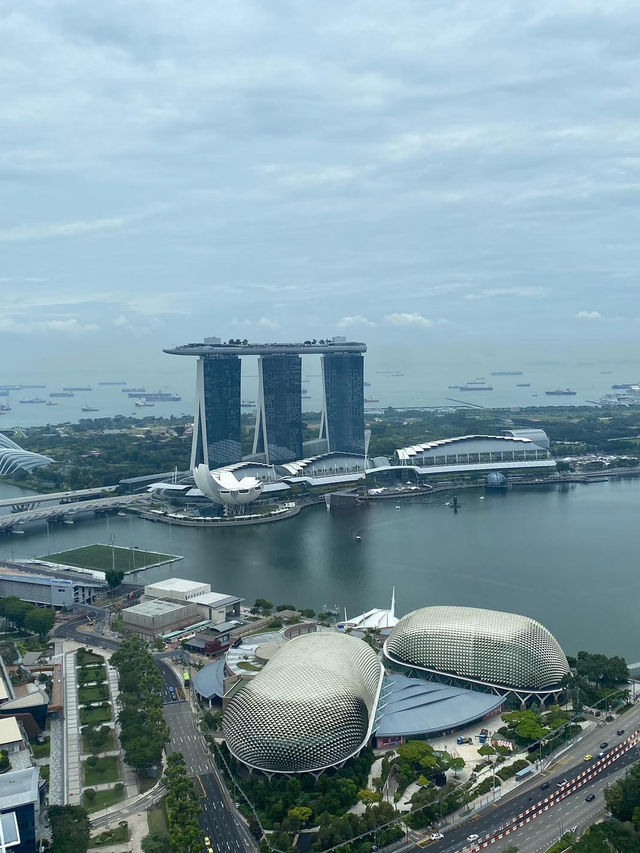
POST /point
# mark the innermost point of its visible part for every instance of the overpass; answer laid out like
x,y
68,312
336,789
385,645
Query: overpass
x,y
32,501
13,522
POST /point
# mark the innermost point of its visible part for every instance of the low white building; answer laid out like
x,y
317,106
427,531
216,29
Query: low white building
x,y
176,589
215,606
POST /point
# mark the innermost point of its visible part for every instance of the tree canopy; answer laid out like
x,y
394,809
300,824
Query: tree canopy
x,y
69,828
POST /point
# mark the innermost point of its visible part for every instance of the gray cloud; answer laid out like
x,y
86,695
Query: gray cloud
x,y
202,161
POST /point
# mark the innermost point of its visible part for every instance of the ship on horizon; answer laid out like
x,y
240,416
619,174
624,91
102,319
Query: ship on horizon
x,y
506,373
78,388
34,400
89,409
162,397
561,392
142,404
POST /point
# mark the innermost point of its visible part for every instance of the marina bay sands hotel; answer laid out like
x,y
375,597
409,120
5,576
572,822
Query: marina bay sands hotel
x,y
217,434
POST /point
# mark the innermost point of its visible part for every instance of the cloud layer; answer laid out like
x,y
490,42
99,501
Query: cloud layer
x,y
266,169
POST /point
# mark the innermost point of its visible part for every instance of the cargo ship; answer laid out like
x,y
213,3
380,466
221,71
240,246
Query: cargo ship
x,y
523,385
162,397
561,392
34,400
89,409
473,386
371,400
248,404
77,388
142,404
61,394
507,373
133,391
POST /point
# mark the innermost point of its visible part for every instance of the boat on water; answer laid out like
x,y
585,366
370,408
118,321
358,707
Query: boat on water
x,y
78,388
133,390
61,394
371,400
34,400
143,404
561,392
506,373
89,409
51,403
248,404
474,386
162,397
523,385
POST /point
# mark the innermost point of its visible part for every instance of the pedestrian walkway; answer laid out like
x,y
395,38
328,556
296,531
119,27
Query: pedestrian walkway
x,y
73,787
128,774
56,739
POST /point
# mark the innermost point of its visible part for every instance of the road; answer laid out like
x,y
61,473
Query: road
x,y
219,819
574,808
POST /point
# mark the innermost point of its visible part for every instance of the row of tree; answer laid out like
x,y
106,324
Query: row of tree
x,y
183,807
27,617
144,731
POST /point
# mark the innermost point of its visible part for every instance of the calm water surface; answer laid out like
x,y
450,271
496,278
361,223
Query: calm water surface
x,y
567,556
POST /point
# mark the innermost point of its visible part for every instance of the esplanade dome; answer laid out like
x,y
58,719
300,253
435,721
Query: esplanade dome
x,y
310,708
487,647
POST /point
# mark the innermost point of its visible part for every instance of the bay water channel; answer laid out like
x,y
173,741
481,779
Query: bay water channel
x,y
565,555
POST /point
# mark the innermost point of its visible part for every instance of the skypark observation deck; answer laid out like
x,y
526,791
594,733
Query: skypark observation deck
x,y
212,346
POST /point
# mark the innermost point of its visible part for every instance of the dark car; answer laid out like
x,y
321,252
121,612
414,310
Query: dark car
x,y
620,732
544,786
590,798
604,744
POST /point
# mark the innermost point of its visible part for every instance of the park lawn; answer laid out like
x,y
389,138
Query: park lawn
x,y
118,835
94,715
105,770
108,745
103,557
157,819
41,750
103,799
85,658
92,694
92,673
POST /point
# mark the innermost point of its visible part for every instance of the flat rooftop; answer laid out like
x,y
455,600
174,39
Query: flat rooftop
x,y
306,348
18,787
219,599
155,607
9,731
176,585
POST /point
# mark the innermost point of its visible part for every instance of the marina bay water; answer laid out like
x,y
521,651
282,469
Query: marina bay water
x,y
565,555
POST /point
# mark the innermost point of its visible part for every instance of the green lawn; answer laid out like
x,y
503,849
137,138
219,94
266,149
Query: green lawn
x,y
108,744
85,658
117,835
93,694
44,772
102,799
157,819
105,770
103,557
41,750
94,715
92,673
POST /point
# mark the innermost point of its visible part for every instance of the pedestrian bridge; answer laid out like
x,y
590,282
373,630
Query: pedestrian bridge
x,y
14,521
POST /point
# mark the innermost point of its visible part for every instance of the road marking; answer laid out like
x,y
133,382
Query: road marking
x,y
204,793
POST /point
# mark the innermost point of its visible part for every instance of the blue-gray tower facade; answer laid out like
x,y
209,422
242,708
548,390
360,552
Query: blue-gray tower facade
x,y
279,412
343,405
217,432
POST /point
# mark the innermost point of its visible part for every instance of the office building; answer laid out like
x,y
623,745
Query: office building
x,y
217,435
56,588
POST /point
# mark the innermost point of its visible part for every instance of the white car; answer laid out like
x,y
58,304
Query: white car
x,y
472,837
436,836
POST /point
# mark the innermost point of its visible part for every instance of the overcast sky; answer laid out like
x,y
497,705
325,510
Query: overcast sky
x,y
436,174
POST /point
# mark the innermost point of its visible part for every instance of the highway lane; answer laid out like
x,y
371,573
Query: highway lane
x,y
492,818
219,819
